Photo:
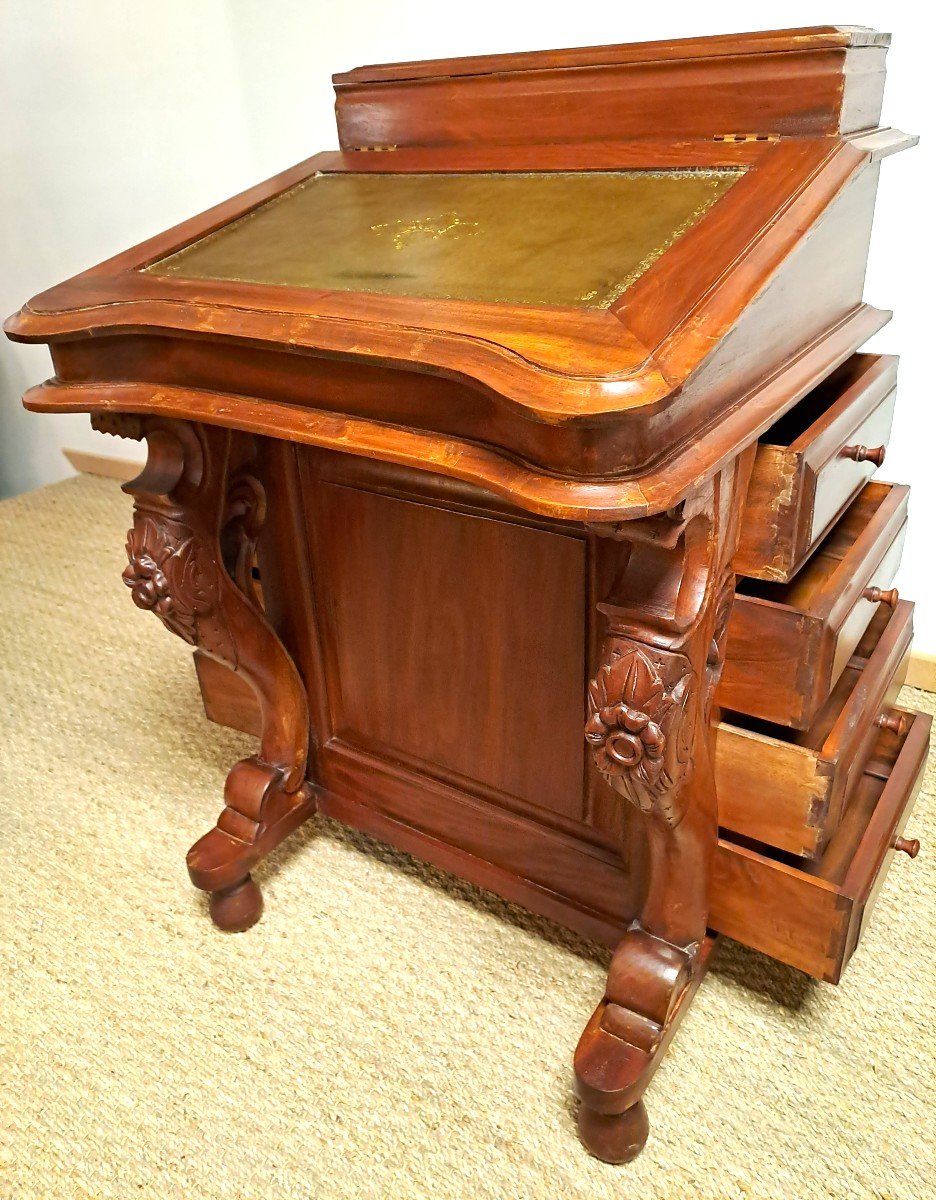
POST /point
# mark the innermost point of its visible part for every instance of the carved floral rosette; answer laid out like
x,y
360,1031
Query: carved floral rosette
x,y
640,727
171,574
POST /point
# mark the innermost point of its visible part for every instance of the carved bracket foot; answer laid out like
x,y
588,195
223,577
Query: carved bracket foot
x,y
258,815
649,987
666,601
199,509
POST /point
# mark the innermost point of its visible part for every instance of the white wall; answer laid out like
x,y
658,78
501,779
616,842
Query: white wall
x,y
122,117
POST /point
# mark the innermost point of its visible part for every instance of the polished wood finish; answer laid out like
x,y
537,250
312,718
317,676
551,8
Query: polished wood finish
x,y
754,884
568,498
198,511
787,644
486,521
588,393
796,81
810,465
802,780
812,915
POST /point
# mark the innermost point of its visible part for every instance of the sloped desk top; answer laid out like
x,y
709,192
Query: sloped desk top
x,y
573,239
588,327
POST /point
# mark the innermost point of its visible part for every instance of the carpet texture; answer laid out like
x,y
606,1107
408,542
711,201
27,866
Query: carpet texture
x,y
385,1031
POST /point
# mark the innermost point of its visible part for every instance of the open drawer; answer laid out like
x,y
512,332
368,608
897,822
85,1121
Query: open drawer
x,y
788,643
812,463
812,915
788,789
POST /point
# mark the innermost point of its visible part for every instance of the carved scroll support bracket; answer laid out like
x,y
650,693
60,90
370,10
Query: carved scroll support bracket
x,y
198,510
668,595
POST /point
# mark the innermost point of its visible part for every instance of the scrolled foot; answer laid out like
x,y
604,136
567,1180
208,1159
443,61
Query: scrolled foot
x,y
236,908
617,1138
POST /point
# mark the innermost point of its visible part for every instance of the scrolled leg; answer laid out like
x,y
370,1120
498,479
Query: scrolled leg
x,y
648,729
197,514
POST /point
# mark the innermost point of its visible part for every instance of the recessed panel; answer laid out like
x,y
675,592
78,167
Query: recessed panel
x,y
458,643
556,238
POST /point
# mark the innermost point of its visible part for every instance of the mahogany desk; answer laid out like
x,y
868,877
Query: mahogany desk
x,y
538,406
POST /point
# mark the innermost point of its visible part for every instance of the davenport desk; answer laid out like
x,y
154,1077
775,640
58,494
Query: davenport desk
x,y
539,407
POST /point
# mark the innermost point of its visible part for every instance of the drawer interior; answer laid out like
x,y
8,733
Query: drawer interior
x,y
842,695
811,915
788,787
816,580
797,429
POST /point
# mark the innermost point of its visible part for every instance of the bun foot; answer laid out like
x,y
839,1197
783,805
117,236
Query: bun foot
x,y
236,908
617,1138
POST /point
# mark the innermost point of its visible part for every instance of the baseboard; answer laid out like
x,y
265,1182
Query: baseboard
x,y
921,671
123,469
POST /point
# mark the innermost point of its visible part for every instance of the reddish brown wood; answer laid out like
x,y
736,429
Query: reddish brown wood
x,y
800,912
198,512
788,643
812,916
649,730
569,498
803,478
860,454
802,780
597,391
480,524
876,595
794,81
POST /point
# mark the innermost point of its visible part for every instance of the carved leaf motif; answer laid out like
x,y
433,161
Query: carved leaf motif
x,y
640,728
167,574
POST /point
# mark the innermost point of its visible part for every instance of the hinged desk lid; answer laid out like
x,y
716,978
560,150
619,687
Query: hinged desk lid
x,y
591,307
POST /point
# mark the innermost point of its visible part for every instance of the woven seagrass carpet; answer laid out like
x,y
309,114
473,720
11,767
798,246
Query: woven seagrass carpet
x,y
385,1031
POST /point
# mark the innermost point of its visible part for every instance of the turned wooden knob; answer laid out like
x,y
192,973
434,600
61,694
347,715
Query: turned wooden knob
x,y
895,722
909,846
879,596
863,454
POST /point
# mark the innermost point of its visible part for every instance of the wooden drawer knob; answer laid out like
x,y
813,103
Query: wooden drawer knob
x,y
879,596
863,454
895,722
909,846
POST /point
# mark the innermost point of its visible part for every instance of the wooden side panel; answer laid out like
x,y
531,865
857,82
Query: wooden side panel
x,y
228,700
778,910
448,634
768,788
769,661
768,529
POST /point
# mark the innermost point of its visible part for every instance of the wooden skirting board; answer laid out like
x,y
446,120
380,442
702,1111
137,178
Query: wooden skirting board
x,y
122,469
921,672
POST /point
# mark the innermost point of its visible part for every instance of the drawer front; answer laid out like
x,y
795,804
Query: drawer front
x,y
788,789
787,644
812,462
854,460
812,917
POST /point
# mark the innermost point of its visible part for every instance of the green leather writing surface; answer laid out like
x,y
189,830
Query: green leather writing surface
x,y
575,239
